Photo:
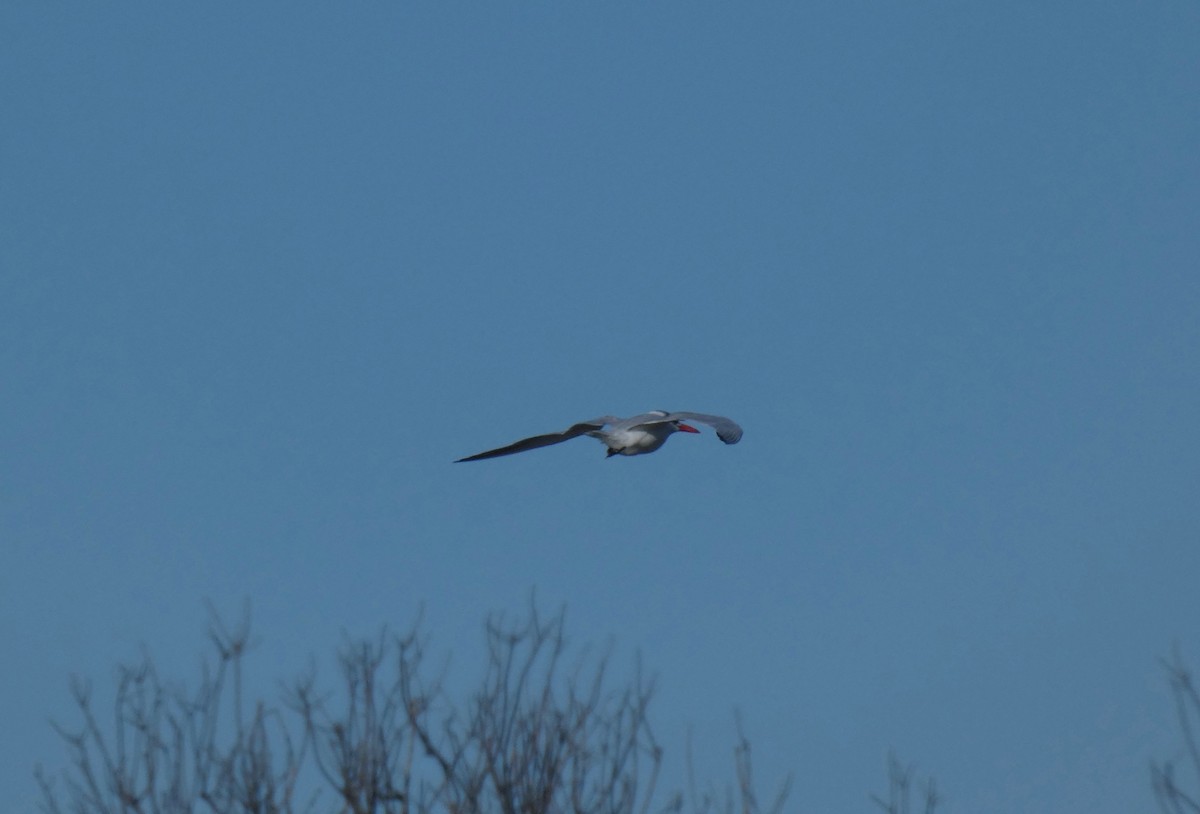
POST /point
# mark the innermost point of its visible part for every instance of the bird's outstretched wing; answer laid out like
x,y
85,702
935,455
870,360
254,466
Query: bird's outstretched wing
x,y
526,444
727,429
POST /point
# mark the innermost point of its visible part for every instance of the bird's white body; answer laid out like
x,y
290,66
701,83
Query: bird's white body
x,y
635,440
624,436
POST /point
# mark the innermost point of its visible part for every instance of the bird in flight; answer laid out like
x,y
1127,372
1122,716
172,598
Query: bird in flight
x,y
637,435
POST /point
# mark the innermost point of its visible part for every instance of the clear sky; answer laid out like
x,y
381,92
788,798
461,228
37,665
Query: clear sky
x,y
267,269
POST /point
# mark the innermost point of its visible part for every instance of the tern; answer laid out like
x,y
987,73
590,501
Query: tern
x,y
637,435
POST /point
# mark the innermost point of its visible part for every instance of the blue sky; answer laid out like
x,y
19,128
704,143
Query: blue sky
x,y
265,272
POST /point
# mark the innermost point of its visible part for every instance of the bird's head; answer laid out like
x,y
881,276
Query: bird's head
x,y
678,425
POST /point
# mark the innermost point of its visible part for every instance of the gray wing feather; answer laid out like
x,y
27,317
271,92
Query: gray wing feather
x,y
526,444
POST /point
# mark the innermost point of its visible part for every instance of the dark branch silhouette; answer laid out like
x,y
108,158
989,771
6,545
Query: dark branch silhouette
x,y
901,786
1172,798
538,736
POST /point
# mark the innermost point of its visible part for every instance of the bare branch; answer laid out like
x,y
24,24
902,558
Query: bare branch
x,y
539,736
1171,798
165,751
900,789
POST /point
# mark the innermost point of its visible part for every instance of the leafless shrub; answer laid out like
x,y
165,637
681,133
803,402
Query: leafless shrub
x,y
169,751
1171,798
901,786
743,799
527,743
537,737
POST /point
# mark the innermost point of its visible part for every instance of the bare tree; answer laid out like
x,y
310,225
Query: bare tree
x,y
169,751
713,800
528,742
900,790
1171,797
539,736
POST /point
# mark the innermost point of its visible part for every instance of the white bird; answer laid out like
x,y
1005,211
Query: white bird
x,y
624,436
